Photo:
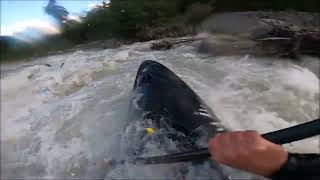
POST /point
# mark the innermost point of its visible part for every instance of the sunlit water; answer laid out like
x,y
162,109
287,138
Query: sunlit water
x,y
65,122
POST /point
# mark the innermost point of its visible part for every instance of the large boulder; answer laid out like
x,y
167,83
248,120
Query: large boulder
x,y
284,34
257,24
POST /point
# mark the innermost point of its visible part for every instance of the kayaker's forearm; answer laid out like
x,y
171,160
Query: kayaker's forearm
x,y
299,166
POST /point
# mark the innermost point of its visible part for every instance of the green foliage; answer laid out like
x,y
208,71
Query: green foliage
x,y
254,5
197,12
122,19
56,11
18,50
143,20
129,18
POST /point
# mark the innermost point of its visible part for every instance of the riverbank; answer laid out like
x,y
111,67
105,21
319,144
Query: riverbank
x,y
286,34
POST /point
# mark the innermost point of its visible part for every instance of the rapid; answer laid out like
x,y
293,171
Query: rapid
x,y
67,119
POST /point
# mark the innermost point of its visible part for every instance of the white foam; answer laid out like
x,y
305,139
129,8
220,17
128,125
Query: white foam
x,y
77,112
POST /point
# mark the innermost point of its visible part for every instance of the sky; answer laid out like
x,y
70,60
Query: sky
x,y
17,15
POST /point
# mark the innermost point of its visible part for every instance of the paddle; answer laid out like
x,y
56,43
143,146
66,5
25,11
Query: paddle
x,y
287,135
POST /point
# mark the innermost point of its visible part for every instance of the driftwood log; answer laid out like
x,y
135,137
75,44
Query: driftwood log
x,y
171,43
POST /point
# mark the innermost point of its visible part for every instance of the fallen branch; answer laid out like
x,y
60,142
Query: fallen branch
x,y
170,43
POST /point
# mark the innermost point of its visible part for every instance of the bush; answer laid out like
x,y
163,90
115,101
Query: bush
x,y
196,13
145,20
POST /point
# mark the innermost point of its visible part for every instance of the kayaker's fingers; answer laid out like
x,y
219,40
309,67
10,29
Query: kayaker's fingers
x,y
225,147
228,148
240,143
248,151
219,148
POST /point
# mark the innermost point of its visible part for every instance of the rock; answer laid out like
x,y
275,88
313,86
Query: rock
x,y
257,23
222,45
61,65
309,43
162,45
237,23
284,34
277,46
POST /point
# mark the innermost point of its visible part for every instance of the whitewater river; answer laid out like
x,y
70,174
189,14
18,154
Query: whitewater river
x,y
66,120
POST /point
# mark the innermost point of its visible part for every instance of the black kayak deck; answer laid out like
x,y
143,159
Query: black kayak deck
x,y
160,95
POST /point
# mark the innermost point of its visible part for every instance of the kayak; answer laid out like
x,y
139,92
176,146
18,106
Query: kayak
x,y
160,96
165,105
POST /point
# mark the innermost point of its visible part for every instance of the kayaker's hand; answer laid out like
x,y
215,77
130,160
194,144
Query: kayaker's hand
x,y
248,151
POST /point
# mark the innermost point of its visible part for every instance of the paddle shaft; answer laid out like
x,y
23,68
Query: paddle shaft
x,y
283,136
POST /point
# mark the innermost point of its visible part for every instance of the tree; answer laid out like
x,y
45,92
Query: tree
x,y
58,12
196,13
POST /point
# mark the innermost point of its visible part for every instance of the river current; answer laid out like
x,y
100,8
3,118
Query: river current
x,y
67,120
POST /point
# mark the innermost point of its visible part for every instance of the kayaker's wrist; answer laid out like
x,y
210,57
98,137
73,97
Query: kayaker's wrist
x,y
299,166
281,162
284,169
272,157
